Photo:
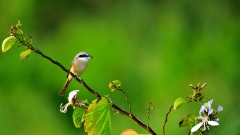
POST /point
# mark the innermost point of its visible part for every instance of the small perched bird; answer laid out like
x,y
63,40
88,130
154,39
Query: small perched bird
x,y
78,66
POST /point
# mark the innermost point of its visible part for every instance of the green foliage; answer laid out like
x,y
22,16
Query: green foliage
x,y
17,35
19,31
8,43
179,102
114,85
78,116
97,118
188,121
25,54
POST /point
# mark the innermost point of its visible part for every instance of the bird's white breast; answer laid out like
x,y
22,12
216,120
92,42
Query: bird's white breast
x,y
79,66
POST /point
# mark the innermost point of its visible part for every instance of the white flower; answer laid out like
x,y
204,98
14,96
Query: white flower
x,y
205,123
208,118
72,96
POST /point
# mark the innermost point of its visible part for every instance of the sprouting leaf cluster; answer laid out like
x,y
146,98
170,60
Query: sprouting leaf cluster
x,y
16,35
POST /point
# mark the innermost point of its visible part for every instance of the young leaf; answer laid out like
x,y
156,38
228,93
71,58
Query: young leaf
x,y
19,32
8,43
25,54
114,85
78,116
179,102
97,118
188,121
18,24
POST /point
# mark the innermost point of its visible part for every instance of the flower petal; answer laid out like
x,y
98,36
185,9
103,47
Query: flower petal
x,y
210,103
63,109
220,108
196,127
71,95
202,109
210,111
213,123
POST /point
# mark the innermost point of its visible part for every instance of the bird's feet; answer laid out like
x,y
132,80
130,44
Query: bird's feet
x,y
81,80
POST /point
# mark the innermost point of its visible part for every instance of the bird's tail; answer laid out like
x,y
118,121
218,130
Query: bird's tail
x,y
62,92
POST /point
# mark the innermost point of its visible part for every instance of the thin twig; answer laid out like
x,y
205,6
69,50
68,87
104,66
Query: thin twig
x,y
165,122
149,110
129,104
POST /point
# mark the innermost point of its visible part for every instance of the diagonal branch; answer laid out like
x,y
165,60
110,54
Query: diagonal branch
x,y
115,107
130,115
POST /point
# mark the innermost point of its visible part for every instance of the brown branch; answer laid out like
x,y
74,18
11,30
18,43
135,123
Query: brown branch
x,y
134,118
130,115
58,64
81,81
165,122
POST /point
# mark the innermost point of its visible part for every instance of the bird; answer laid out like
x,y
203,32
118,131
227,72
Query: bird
x,y
77,67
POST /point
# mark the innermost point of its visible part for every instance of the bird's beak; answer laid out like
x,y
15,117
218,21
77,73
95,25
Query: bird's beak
x,y
91,57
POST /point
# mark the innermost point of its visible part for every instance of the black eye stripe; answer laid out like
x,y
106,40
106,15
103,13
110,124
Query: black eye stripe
x,y
83,55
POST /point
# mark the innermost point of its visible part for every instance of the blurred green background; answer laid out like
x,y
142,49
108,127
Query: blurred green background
x,y
156,48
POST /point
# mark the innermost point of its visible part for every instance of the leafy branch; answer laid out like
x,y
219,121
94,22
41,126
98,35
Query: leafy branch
x,y
197,96
115,85
16,35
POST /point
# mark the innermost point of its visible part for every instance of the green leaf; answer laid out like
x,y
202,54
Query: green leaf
x,y
114,85
19,32
19,24
78,116
8,43
188,121
98,118
179,102
25,54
